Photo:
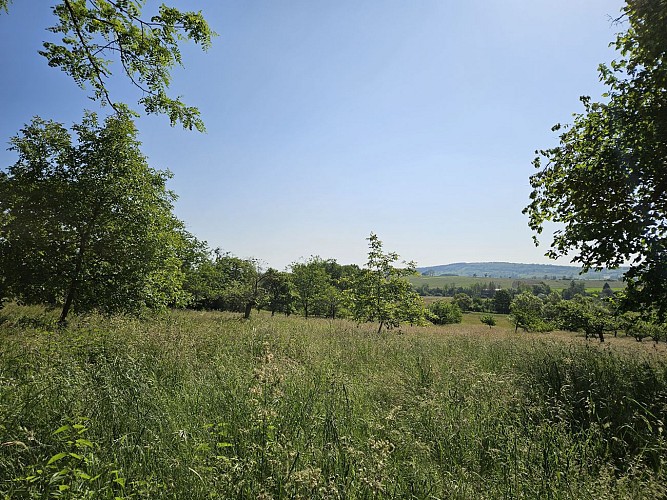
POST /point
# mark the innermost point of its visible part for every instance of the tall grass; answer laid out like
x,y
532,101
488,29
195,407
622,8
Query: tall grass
x,y
203,405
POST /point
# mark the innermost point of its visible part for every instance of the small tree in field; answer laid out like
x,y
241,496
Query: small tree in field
x,y
311,283
443,312
526,312
380,292
488,320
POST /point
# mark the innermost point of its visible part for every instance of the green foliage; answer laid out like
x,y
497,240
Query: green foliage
x,y
502,300
95,33
311,283
575,288
381,293
606,292
571,315
74,472
642,326
86,223
226,282
526,312
489,320
443,312
605,181
463,300
279,292
587,314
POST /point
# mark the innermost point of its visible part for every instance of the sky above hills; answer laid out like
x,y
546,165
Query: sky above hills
x,y
328,120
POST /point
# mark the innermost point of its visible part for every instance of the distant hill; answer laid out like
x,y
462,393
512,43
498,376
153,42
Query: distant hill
x,y
519,271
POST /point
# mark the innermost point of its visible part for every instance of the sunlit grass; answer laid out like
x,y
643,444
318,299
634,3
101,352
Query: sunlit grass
x,y
205,405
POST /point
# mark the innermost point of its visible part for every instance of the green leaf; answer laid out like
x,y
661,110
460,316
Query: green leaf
x,y
61,429
83,443
56,457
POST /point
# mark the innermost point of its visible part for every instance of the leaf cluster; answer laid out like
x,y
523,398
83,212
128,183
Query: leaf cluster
x,y
95,34
606,181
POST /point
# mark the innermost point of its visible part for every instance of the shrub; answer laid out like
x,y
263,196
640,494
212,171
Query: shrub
x,y
444,313
488,320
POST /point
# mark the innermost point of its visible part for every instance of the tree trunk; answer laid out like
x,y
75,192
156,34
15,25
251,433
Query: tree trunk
x,y
71,291
381,325
248,310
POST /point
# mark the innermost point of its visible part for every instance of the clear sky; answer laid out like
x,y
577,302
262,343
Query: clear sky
x,y
414,119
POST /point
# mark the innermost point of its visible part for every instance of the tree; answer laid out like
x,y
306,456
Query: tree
x,y
571,314
250,291
443,312
227,282
96,32
489,320
381,292
526,312
606,181
311,283
463,300
606,292
86,224
279,291
575,288
501,301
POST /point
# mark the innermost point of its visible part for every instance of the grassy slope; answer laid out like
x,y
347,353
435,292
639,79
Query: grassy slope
x,y
203,405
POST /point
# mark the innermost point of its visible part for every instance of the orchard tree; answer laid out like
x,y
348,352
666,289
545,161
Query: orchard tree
x,y
95,34
463,300
311,283
574,289
226,282
279,291
381,291
526,312
501,301
488,320
86,224
444,312
247,289
606,182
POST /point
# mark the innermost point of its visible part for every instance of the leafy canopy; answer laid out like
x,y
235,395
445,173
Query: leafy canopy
x,y
311,283
606,181
380,292
86,223
96,33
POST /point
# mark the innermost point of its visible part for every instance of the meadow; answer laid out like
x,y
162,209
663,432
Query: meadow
x,y
205,405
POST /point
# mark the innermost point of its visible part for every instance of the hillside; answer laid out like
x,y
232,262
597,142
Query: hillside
x,y
519,271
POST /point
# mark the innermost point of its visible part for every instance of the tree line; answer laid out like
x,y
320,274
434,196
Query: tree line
x,y
86,224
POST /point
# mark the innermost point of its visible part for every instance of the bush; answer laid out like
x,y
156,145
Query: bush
x,y
444,313
488,320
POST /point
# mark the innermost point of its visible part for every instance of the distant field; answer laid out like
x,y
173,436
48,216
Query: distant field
x,y
467,281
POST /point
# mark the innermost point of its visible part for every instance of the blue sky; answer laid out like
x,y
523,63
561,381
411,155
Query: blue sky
x,y
417,120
